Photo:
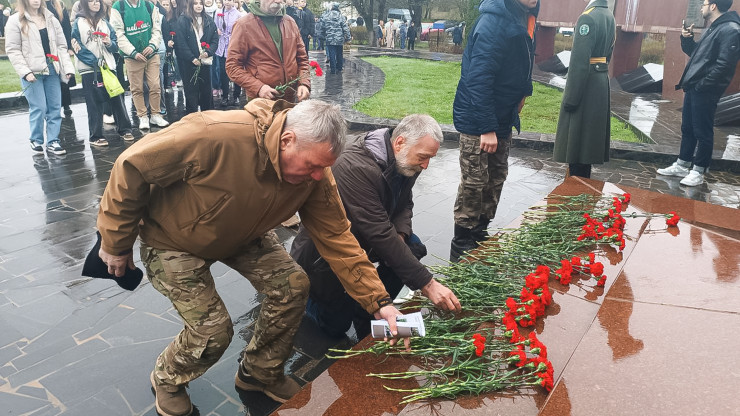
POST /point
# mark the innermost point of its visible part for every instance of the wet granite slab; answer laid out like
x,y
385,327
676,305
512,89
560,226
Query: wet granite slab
x,y
654,341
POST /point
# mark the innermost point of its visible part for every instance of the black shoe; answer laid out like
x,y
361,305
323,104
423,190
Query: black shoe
x,y
461,242
480,231
67,111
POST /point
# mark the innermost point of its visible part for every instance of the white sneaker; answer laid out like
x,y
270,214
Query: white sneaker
x,y
158,120
674,170
108,119
144,123
694,178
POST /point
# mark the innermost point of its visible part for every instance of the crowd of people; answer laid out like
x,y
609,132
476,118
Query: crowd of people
x,y
153,46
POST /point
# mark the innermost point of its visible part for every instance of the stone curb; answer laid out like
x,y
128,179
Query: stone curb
x,y
545,142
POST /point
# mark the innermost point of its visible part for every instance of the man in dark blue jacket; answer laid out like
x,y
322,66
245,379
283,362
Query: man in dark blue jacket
x,y
704,80
496,77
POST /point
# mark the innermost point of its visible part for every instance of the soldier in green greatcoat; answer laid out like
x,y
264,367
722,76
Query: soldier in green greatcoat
x,y
583,128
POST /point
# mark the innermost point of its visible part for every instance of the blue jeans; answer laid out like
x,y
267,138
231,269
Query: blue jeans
x,y
44,98
336,57
697,127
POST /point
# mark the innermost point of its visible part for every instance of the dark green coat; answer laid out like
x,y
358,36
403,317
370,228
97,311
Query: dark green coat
x,y
583,127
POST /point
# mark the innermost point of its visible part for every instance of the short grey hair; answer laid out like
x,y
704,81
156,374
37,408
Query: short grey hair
x,y
316,121
415,126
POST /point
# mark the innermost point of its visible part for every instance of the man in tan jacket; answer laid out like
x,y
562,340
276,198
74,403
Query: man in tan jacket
x,y
265,51
211,188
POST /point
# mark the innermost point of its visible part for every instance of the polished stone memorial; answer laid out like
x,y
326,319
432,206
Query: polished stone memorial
x,y
657,339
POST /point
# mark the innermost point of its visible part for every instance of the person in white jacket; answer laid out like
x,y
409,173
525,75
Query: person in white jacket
x,y
37,49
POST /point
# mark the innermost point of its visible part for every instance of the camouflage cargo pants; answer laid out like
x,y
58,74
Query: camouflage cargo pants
x,y
187,281
482,179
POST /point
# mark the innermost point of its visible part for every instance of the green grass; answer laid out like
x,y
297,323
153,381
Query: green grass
x,y
420,86
10,81
413,86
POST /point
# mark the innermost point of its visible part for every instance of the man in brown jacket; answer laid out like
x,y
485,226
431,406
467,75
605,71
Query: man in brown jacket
x,y
211,188
265,51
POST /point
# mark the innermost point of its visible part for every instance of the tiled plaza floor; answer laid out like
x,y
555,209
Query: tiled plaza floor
x,y
76,346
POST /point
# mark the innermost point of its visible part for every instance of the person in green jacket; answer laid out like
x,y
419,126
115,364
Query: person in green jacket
x,y
582,137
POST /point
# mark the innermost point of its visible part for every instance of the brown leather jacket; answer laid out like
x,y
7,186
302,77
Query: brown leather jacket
x,y
253,60
210,185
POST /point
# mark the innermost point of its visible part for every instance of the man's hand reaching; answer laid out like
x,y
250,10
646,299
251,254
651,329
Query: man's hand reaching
x,y
441,296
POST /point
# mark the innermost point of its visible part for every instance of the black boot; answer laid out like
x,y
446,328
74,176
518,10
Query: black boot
x,y
462,241
480,231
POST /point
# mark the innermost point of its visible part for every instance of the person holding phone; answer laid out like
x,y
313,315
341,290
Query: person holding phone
x,y
711,66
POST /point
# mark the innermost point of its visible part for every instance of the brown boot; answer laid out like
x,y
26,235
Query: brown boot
x,y
280,391
171,400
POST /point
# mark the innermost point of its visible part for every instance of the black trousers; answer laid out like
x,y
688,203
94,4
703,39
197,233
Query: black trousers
x,y
334,310
411,43
96,98
66,96
579,169
697,127
198,92
225,81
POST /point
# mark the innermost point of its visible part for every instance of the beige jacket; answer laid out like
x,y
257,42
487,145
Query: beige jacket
x,y
210,185
26,53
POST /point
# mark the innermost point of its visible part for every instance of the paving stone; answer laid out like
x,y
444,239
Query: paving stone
x,y
32,392
18,404
47,350
8,334
52,365
9,352
139,327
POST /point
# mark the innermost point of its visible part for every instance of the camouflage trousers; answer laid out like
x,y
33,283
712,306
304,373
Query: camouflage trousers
x,y
482,179
187,281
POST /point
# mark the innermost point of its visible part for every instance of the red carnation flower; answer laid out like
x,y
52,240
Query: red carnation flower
x,y
220,15
626,197
101,34
601,281
519,358
597,268
205,45
52,57
138,24
172,33
672,221
316,67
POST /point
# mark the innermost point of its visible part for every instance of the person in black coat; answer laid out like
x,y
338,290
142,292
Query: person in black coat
x,y
411,36
457,35
308,26
57,9
495,78
195,42
375,177
711,67
169,31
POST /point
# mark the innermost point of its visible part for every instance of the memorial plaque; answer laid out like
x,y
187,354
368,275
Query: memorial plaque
x,y
693,14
